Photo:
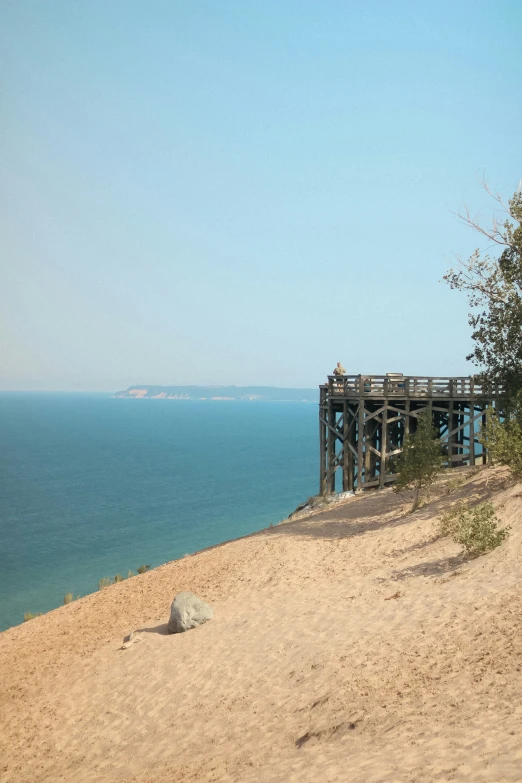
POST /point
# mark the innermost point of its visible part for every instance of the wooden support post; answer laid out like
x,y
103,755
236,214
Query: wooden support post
x,y
352,441
360,444
430,399
370,429
346,448
485,456
384,444
374,442
472,422
462,415
330,480
322,445
472,432
450,425
460,433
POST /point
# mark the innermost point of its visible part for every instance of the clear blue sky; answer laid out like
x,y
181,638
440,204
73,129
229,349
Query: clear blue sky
x,y
245,192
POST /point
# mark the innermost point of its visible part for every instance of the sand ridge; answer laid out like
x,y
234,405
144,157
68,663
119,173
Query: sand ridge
x,y
353,644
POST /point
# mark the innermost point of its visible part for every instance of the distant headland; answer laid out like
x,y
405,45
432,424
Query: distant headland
x,y
252,393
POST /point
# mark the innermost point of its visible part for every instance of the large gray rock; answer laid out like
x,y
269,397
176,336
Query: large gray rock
x,y
187,611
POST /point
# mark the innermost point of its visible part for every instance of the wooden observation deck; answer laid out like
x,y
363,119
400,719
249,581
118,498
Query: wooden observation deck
x,y
363,420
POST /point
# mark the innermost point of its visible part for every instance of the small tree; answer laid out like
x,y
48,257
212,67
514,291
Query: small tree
x,y
421,459
503,439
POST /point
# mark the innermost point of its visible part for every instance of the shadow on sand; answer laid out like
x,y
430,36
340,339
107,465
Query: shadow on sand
x,y
383,509
161,629
432,568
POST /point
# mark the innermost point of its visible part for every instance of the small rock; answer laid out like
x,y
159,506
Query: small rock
x,y
188,611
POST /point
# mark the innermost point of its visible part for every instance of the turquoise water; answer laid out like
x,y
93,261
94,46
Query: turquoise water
x,y
92,486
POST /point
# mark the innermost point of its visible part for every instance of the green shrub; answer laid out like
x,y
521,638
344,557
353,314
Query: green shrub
x,y
142,568
130,573
118,578
30,615
476,529
503,439
104,582
68,598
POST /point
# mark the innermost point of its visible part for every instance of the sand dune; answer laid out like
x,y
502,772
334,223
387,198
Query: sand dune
x,y
351,645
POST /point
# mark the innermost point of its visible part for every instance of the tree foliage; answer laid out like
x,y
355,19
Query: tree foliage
x,y
503,437
494,288
421,459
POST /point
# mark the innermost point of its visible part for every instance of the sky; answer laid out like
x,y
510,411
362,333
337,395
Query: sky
x,y
201,192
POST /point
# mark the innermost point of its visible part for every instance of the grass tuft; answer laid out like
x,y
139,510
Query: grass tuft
x,y
454,483
31,615
142,568
104,582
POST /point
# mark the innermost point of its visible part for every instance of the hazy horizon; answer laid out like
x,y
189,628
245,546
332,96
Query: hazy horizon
x,y
200,194
150,385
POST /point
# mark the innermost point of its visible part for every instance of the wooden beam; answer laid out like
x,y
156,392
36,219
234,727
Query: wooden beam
x,y
370,416
334,430
461,427
352,449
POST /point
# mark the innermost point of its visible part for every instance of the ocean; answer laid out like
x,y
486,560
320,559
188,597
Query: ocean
x,y
92,486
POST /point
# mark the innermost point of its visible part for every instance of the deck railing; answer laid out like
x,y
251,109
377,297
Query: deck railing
x,y
408,386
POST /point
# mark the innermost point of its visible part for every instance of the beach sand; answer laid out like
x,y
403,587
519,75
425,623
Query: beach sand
x,y
352,645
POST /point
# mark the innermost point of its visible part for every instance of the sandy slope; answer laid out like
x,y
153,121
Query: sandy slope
x,y
307,673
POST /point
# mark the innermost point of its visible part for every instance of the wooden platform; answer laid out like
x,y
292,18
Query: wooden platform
x,y
363,420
